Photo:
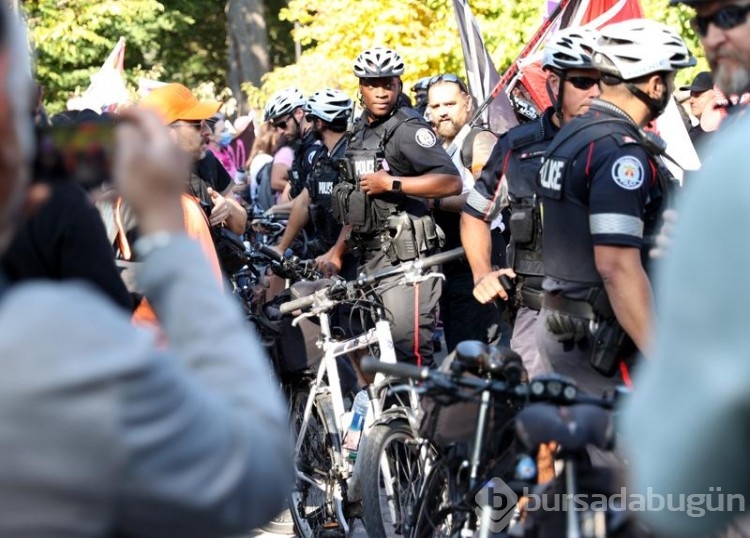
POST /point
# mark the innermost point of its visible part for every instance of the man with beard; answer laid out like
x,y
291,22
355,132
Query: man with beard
x,y
685,429
393,162
451,107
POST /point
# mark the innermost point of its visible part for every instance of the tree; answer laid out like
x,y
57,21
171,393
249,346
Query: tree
x,y
424,32
248,44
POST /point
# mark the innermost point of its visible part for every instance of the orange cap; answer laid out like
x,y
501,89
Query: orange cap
x,y
175,102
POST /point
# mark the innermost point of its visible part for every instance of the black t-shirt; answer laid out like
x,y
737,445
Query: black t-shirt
x,y
65,240
210,170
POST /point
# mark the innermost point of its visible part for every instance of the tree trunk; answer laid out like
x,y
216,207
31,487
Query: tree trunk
x,y
247,43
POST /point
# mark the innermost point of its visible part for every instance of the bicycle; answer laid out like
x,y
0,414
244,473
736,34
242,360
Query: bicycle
x,y
447,505
329,489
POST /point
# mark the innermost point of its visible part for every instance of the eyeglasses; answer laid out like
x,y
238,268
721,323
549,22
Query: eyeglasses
x,y
279,124
582,83
726,18
198,125
448,77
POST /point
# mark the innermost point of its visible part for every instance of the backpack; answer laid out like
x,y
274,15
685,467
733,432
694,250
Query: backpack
x,y
265,197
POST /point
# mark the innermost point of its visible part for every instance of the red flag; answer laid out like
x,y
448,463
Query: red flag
x,y
595,13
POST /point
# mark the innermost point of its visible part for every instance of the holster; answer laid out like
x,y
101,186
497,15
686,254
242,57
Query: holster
x,y
571,319
412,236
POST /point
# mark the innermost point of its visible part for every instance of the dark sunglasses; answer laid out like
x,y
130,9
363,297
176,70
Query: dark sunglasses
x,y
195,124
279,124
583,83
726,18
448,77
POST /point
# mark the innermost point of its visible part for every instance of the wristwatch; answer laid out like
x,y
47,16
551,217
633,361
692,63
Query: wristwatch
x,y
396,185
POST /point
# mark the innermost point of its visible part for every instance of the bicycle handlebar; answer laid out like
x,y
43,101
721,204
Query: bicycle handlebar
x,y
271,253
366,280
546,388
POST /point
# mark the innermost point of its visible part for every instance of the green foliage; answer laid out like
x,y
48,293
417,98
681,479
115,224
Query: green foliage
x,y
175,40
424,32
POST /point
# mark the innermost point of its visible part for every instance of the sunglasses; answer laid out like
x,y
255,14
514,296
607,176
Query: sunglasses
x,y
726,18
582,83
448,77
281,124
198,125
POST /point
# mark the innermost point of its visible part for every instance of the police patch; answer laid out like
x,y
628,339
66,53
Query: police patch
x,y
627,172
425,137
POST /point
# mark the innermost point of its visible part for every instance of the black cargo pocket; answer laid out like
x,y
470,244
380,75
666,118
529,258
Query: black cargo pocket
x,y
522,226
357,216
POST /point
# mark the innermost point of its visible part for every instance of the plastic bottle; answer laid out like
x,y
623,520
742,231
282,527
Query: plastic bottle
x,y
354,434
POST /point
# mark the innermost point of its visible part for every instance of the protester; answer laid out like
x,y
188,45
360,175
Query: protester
x,y
684,429
262,154
98,420
702,95
219,144
451,108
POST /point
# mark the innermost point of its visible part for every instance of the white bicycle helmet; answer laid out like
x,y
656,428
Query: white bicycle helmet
x,y
329,105
634,48
378,62
570,48
283,102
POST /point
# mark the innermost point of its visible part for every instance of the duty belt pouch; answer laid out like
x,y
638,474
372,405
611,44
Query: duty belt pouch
x,y
522,225
339,200
608,343
357,211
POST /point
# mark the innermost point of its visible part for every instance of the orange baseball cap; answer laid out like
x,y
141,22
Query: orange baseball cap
x,y
175,102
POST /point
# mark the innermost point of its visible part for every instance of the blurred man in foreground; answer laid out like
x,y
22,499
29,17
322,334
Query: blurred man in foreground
x,y
101,431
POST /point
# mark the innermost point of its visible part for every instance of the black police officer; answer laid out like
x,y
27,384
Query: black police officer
x,y
515,161
393,162
602,186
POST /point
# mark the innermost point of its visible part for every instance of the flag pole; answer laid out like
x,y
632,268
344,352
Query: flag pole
x,y
512,71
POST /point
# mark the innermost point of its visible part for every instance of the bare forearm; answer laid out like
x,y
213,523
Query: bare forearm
x,y
237,219
298,219
453,204
629,294
477,243
431,185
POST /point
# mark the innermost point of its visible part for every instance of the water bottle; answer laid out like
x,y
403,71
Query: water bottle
x,y
354,433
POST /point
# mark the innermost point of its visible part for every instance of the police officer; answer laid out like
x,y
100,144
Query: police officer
x,y
572,83
393,162
329,112
602,186
285,109
451,107
420,95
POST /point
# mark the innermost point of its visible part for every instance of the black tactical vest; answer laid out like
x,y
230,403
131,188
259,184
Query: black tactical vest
x,y
365,153
323,178
571,259
526,145
302,163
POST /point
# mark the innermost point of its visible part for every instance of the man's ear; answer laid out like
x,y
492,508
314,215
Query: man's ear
x,y
656,86
553,80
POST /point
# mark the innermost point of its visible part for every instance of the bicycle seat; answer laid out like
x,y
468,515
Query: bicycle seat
x,y
573,428
305,288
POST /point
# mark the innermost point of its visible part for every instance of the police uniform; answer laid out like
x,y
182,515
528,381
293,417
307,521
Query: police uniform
x,y
514,165
600,185
304,155
457,302
392,227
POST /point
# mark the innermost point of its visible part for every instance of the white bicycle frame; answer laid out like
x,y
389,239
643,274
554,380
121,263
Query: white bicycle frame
x,y
380,334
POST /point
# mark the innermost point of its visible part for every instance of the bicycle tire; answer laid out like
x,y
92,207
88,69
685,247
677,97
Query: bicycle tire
x,y
393,445
310,507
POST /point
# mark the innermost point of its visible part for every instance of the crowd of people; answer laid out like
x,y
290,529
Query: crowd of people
x,y
137,400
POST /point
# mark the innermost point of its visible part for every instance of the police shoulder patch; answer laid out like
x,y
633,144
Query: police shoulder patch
x,y
627,171
425,137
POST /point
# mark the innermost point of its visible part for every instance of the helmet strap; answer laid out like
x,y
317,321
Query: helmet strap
x,y
655,106
557,101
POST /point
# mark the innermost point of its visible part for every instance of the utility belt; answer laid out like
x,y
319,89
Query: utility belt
x,y
571,319
405,238
529,294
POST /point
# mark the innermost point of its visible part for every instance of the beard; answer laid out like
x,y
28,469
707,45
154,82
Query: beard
x,y
447,129
731,80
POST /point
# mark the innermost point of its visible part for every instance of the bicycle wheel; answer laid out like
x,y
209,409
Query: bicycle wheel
x,y
310,502
392,473
432,514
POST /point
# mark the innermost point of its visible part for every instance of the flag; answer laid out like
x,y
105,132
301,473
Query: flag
x,y
481,72
107,88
